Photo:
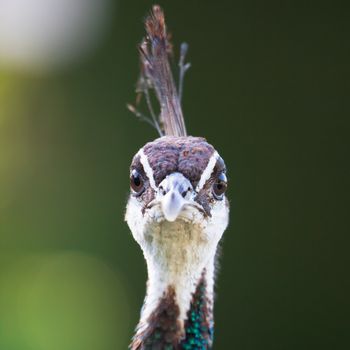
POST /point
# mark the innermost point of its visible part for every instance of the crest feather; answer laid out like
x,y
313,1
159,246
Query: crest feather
x,y
156,74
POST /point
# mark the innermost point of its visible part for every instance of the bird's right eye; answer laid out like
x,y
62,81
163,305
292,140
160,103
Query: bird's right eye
x,y
136,182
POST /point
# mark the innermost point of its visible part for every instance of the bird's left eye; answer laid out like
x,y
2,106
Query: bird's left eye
x,y
220,186
136,182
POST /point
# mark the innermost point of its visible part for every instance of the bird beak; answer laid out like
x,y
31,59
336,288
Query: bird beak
x,y
172,204
174,192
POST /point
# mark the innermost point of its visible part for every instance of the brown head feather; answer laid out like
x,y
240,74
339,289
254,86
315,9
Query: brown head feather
x,y
156,73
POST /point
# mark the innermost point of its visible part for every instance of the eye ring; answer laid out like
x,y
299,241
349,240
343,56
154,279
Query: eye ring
x,y
137,183
220,186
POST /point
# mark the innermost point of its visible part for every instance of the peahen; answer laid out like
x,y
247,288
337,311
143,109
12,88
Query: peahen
x,y
177,210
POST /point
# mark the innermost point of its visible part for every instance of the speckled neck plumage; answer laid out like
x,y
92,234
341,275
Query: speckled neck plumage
x,y
165,331
199,325
178,304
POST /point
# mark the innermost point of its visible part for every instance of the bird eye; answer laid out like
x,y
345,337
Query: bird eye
x,y
220,186
136,182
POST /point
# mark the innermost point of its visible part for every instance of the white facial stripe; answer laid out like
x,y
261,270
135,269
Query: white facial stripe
x,y
207,171
147,168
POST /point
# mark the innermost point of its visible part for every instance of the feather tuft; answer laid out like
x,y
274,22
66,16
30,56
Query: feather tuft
x,y
156,75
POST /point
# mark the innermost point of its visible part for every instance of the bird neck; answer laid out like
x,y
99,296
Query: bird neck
x,y
178,308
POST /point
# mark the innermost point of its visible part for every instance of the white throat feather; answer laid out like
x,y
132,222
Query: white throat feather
x,y
176,253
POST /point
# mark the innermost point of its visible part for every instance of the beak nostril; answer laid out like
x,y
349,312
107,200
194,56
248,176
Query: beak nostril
x,y
184,193
161,189
176,183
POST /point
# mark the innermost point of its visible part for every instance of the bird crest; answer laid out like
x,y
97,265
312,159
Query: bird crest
x,y
156,76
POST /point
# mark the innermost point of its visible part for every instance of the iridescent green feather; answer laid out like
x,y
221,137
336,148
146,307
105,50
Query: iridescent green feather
x,y
199,326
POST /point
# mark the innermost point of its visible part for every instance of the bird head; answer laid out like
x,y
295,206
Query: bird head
x,y
177,182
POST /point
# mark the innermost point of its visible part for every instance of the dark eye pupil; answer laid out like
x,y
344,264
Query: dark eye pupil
x,y
136,182
220,186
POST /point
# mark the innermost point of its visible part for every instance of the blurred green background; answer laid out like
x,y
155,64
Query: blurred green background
x,y
269,87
